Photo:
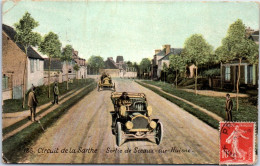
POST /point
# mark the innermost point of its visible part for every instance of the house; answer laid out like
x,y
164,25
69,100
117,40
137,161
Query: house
x,y
58,70
248,72
81,62
159,53
15,64
118,68
110,67
166,59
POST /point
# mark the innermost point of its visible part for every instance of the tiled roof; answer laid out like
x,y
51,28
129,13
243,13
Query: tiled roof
x,y
56,64
31,53
110,64
174,51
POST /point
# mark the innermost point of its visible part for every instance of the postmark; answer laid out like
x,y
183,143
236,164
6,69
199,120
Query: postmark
x,y
237,143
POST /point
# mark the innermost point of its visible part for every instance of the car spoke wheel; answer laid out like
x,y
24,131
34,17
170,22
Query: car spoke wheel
x,y
158,133
118,134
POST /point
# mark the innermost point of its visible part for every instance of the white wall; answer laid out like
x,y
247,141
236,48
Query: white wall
x,y
37,76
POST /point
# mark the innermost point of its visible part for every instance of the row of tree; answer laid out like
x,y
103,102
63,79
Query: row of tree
x,y
49,45
235,46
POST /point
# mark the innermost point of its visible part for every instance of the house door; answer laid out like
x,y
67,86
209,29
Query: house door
x,y
17,92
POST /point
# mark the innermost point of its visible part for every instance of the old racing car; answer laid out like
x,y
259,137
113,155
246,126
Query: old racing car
x,y
131,118
106,83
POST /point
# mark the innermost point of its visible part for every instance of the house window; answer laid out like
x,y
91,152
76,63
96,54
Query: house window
x,y
38,64
70,71
227,73
250,74
32,65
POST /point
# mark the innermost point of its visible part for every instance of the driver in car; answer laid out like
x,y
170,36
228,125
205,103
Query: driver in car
x,y
124,99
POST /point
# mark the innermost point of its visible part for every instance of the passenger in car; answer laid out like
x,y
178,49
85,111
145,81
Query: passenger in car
x,y
123,99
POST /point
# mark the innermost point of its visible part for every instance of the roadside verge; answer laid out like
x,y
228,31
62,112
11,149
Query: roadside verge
x,y
16,144
201,113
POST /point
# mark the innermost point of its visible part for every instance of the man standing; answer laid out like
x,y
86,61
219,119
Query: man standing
x,y
56,94
229,107
32,103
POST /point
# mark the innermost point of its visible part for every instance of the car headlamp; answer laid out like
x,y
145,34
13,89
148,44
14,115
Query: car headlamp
x,y
152,124
129,125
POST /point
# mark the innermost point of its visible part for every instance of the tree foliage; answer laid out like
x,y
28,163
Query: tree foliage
x,y
178,63
96,62
51,45
236,45
67,53
24,31
145,65
197,50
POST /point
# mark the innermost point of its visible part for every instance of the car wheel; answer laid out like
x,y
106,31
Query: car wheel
x,y
159,133
118,134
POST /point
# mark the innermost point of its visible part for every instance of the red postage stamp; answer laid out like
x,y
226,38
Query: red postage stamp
x,y
237,143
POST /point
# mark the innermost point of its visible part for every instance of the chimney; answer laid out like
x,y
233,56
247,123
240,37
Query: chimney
x,y
157,51
167,48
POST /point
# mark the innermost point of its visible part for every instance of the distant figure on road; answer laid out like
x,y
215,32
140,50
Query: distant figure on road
x,y
56,93
229,107
103,76
32,103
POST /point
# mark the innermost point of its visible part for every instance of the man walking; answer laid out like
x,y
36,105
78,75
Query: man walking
x,y
56,93
32,103
229,107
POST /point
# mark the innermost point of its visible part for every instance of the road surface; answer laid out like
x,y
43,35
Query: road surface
x,y
86,130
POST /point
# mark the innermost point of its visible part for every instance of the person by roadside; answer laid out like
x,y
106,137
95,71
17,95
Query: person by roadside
x,y
32,103
229,107
56,93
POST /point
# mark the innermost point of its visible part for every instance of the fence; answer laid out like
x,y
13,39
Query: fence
x,y
58,78
12,88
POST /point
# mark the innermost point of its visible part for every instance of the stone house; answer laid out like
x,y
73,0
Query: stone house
x,y
15,64
248,72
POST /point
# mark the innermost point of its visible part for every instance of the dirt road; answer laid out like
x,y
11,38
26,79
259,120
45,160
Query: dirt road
x,y
88,125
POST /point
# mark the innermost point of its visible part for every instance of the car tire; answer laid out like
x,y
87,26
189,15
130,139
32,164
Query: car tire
x,y
118,134
159,133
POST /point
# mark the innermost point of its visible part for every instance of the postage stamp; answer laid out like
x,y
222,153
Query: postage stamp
x,y
237,143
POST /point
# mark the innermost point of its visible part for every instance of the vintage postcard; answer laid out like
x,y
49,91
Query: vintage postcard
x,y
130,82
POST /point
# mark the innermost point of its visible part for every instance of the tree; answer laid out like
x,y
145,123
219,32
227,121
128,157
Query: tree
x,y
96,63
237,46
67,57
178,63
145,66
26,37
50,46
197,51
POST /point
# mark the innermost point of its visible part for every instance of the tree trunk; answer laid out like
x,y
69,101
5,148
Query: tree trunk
x,y
49,78
24,78
67,75
238,78
196,77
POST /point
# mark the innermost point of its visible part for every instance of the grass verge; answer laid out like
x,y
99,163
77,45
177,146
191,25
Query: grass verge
x,y
247,111
14,146
15,105
200,115
14,126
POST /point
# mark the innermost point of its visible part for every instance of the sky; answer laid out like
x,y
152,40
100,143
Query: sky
x,y
132,29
